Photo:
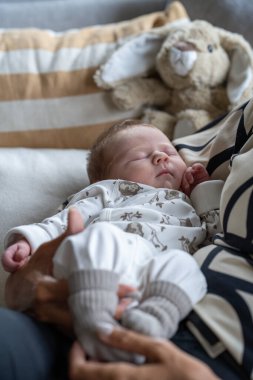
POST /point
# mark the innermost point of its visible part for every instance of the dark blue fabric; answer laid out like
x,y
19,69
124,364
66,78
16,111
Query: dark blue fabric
x,y
234,290
245,243
30,350
224,366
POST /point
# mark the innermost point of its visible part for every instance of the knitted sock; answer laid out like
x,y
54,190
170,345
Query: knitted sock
x,y
161,309
93,301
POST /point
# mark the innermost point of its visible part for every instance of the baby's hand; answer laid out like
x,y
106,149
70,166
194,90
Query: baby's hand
x,y
193,175
15,256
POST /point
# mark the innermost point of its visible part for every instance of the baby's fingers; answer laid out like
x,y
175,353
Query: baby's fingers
x,y
189,176
8,260
197,167
200,173
9,265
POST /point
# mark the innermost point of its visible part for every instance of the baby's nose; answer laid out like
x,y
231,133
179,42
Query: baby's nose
x,y
160,157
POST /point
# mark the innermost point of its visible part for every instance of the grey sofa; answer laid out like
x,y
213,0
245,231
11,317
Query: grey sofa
x,y
234,15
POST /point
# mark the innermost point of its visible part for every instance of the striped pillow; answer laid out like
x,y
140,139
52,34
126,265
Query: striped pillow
x,y
48,97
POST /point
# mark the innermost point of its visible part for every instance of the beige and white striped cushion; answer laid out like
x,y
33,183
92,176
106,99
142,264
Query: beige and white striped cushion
x,y
48,97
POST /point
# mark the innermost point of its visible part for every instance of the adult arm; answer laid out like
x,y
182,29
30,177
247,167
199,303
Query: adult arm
x,y
33,289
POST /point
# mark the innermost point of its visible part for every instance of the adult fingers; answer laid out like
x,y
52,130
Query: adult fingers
x,y
74,226
42,258
75,221
49,289
164,357
153,349
57,314
51,303
80,368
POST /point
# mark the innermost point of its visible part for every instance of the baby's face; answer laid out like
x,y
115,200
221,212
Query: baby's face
x,y
145,155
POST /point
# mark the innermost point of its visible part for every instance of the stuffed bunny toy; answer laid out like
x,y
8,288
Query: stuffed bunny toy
x,y
182,76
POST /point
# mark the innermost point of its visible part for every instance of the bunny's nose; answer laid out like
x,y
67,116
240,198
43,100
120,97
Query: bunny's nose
x,y
182,61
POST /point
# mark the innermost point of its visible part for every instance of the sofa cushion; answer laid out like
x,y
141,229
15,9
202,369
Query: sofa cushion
x,y
34,182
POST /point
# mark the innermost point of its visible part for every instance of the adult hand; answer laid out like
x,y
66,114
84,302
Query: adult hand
x,y
33,289
51,302
164,361
21,286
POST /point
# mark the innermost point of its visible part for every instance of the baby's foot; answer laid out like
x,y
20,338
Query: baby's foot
x,y
142,322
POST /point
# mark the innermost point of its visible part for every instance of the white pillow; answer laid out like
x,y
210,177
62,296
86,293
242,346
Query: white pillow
x,y
34,182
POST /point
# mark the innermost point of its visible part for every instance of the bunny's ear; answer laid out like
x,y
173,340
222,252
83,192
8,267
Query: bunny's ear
x,y
241,67
136,57
240,75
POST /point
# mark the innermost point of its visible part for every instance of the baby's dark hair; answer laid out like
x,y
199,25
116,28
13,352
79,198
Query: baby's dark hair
x,y
97,160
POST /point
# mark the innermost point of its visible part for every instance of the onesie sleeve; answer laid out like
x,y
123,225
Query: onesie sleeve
x,y
205,199
206,196
38,233
89,202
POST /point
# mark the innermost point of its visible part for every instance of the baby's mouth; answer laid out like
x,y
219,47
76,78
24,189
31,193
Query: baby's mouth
x,y
163,172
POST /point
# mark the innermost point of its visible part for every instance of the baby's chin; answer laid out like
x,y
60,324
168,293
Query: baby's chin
x,y
167,183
